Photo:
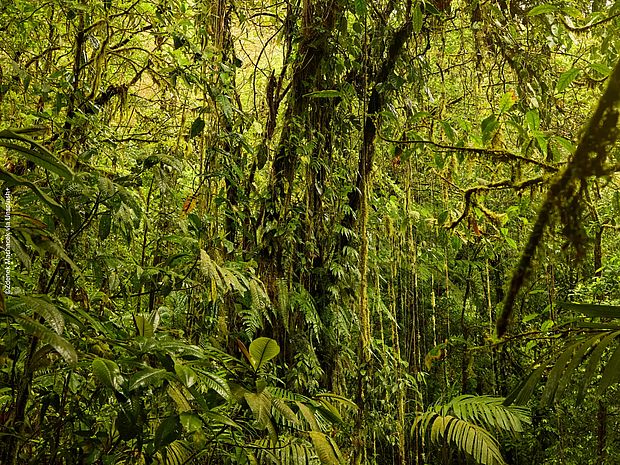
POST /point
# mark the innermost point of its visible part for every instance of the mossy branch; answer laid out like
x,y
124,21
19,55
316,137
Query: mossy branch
x,y
599,135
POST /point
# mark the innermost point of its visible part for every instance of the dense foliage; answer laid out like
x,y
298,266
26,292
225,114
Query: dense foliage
x,y
314,231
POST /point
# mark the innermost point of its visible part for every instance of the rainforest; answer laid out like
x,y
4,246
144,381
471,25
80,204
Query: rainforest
x,y
309,232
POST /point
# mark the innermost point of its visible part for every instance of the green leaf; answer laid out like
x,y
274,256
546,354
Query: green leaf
x,y
360,8
466,436
11,180
524,391
576,360
146,377
260,404
564,143
81,317
60,344
532,120
324,94
572,12
40,305
566,78
197,127
105,224
611,375
224,103
542,9
417,19
262,350
341,399
143,325
329,412
323,448
558,370
506,102
186,375
108,373
447,128
221,419
55,248
308,416
593,362
218,384
543,142
35,153
191,422
601,68
488,126
168,431
593,310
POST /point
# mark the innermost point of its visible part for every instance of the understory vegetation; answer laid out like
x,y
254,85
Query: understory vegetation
x,y
362,232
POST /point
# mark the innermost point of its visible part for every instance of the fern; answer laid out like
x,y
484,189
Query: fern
x,y
303,303
251,320
283,304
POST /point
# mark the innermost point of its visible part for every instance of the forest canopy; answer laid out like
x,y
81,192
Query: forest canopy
x,y
362,232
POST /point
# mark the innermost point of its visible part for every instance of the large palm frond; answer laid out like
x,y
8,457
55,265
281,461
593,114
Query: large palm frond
x,y
464,423
590,343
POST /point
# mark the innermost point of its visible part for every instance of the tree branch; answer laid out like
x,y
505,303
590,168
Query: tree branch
x,y
588,160
501,154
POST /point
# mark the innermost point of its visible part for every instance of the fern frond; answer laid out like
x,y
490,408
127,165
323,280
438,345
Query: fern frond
x,y
176,453
251,320
303,303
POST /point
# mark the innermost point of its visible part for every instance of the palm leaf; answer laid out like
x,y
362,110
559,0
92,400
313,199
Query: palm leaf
x,y
40,305
463,435
488,412
35,152
60,344
324,448
464,424
11,180
587,345
594,361
593,310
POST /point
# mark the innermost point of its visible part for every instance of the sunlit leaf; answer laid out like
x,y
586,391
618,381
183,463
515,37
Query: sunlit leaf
x,y
262,350
146,377
566,78
324,94
542,9
107,373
